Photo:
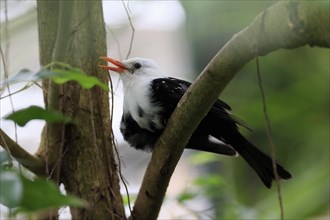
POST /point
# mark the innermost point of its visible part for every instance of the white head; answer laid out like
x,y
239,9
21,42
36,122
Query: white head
x,y
136,67
137,74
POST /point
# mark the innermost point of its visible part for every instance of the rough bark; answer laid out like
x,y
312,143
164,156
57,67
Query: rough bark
x,y
48,14
287,24
84,156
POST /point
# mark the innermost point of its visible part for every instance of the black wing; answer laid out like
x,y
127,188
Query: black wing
x,y
219,124
168,92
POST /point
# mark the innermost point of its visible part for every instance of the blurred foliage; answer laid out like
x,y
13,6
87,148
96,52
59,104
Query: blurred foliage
x,y
297,91
27,195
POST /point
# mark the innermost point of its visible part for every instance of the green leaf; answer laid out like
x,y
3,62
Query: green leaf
x,y
17,191
4,157
209,180
11,188
42,194
132,197
201,158
186,196
87,82
58,75
23,116
26,75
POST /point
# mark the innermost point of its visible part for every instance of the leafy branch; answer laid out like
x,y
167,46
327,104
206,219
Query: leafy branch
x,y
287,24
23,116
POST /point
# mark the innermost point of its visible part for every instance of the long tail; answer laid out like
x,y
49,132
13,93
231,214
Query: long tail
x,y
257,160
262,164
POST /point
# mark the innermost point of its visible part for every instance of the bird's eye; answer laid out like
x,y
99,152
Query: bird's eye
x,y
137,65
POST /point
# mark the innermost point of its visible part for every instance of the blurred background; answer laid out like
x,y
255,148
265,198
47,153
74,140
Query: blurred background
x,y
182,37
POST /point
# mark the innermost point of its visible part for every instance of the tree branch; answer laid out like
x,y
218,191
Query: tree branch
x,y
31,162
287,24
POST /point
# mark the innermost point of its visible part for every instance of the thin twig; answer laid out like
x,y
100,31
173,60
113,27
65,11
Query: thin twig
x,y
268,124
270,140
5,60
57,165
129,8
122,178
28,85
112,102
118,50
133,30
116,148
116,41
7,37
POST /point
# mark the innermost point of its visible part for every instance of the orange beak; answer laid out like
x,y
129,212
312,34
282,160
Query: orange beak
x,y
118,68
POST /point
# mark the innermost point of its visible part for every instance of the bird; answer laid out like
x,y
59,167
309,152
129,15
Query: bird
x,y
150,97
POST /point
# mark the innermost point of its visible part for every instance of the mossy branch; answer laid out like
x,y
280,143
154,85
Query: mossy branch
x,y
287,24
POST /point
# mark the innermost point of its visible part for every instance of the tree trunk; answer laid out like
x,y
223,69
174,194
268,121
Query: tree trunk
x,y
83,160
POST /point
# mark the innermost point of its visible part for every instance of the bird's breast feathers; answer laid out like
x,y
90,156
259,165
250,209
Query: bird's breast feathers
x,y
137,103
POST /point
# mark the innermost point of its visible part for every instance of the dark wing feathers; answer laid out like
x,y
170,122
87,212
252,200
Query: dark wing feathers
x,y
167,92
170,90
219,124
184,84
